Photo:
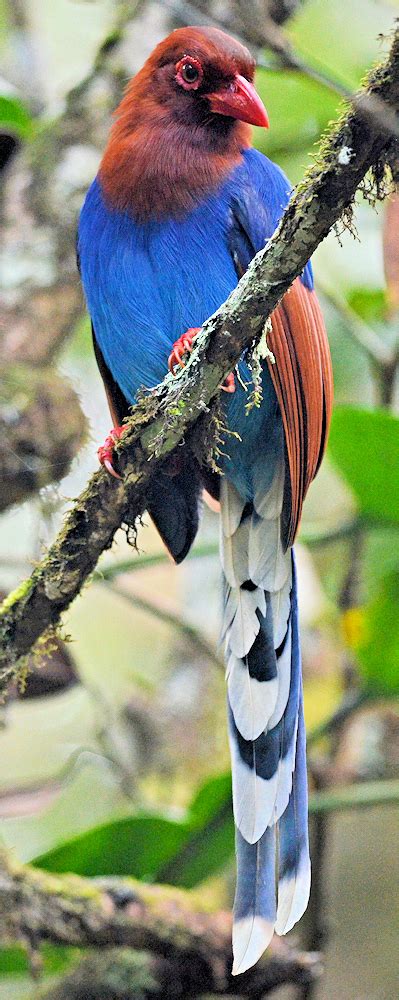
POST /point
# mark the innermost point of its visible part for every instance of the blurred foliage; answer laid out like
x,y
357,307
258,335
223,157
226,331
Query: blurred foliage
x,y
14,117
327,37
14,961
364,445
154,848
300,109
342,37
378,646
369,303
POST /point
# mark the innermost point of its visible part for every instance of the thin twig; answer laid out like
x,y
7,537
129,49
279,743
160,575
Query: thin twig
x,y
362,795
171,618
148,561
352,701
364,335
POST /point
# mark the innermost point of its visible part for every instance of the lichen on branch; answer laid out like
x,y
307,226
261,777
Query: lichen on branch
x,y
177,942
364,138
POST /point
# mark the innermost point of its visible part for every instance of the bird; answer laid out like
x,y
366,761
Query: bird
x,y
181,204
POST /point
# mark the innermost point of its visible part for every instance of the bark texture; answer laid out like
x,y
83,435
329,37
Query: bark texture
x,y
184,950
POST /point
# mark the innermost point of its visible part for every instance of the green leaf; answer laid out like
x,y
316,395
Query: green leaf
x,y
138,846
205,854
211,797
14,117
378,651
13,961
211,843
299,109
154,847
369,303
364,446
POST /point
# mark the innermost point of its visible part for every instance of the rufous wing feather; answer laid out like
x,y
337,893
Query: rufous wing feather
x,y
302,378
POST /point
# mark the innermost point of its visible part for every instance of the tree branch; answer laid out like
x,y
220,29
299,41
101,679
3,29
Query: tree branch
x,y
188,945
358,141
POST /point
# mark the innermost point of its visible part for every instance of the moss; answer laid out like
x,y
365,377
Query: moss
x,y
159,898
46,645
71,888
178,409
118,974
17,596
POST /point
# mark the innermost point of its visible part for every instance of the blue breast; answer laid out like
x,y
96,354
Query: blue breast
x,y
145,284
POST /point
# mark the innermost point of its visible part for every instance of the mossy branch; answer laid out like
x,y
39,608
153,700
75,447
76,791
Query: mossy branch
x,y
186,947
364,138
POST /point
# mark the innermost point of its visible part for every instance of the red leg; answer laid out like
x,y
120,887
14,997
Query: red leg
x,y
106,451
184,345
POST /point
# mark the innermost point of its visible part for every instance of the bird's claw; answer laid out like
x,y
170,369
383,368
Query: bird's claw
x,y
106,451
184,345
229,384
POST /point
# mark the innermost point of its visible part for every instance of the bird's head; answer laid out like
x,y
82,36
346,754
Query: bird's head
x,y
202,73
182,123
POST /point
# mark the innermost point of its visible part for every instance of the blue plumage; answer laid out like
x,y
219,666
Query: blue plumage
x,y
145,284
294,860
273,883
255,904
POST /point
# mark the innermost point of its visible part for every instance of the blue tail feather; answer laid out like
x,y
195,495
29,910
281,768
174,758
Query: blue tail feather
x,y
277,763
262,768
294,860
255,900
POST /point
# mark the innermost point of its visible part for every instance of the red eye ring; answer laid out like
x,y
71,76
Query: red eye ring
x,y
189,73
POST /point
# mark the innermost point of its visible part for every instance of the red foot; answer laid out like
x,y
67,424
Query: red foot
x,y
229,384
184,345
106,451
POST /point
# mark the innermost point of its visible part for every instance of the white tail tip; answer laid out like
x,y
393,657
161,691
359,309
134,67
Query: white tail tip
x,y
251,937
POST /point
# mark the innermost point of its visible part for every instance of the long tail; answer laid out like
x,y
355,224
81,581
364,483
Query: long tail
x,y
267,735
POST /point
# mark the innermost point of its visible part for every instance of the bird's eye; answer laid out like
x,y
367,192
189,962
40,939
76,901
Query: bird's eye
x,y
189,73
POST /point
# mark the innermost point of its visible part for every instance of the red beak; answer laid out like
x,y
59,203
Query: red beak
x,y
239,100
